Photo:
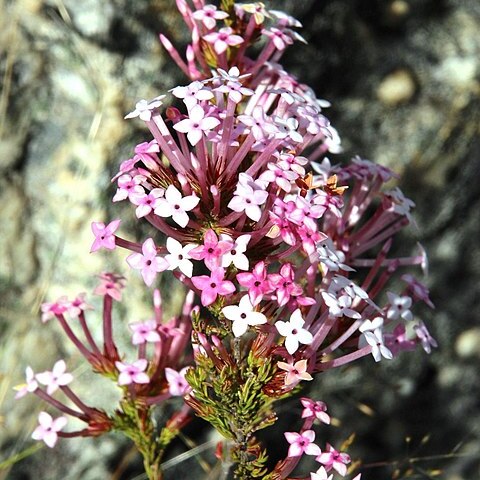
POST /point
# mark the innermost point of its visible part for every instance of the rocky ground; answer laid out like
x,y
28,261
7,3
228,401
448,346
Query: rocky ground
x,y
404,80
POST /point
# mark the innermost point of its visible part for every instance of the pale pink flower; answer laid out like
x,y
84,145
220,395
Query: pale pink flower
x,y
397,341
209,15
279,38
48,428
294,332
112,285
315,409
279,174
295,372
144,332
196,125
176,206
78,305
258,123
30,386
148,262
243,315
104,235
56,378
179,256
177,385
425,338
235,91
301,443
132,372
334,459
223,39
248,197
128,185
146,202
213,285
144,108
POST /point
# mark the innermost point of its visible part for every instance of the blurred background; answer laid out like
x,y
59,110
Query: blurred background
x,y
403,77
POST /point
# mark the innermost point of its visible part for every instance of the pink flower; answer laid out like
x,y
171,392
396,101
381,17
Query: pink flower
x,y
315,409
104,235
146,202
293,332
176,206
132,372
30,386
144,332
148,262
279,174
192,94
257,283
213,285
48,428
334,459
235,91
397,341
196,124
425,338
112,285
301,443
212,250
56,378
177,385
284,285
295,372
223,39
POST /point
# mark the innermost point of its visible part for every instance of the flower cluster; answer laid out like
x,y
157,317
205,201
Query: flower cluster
x,y
287,253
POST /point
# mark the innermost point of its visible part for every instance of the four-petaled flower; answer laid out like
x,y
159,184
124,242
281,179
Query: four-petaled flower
x,y
315,409
212,250
177,385
399,307
175,206
30,386
248,197
334,459
144,332
294,332
196,124
213,285
321,474
243,315
301,443
132,372
223,39
209,15
143,108
179,256
56,378
48,428
148,261
104,235
375,340
295,372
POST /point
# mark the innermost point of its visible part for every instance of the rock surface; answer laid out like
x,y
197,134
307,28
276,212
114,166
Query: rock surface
x,y
404,81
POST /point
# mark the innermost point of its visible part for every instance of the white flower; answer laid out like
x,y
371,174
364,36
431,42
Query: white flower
x,y
176,206
399,307
143,108
293,332
375,340
178,256
243,315
237,254
339,307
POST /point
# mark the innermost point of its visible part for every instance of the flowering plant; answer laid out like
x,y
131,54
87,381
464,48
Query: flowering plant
x,y
285,256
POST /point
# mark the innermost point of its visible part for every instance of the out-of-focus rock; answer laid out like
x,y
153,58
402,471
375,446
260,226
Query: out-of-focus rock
x,y
396,88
